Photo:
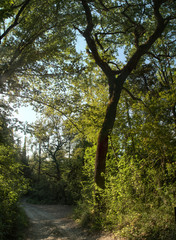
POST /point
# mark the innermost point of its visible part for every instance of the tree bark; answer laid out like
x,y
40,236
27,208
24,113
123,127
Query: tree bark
x,y
115,90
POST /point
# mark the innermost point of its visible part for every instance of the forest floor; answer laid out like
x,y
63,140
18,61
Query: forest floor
x,y
54,222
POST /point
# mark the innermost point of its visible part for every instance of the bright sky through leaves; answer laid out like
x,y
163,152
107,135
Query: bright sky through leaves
x,y
27,114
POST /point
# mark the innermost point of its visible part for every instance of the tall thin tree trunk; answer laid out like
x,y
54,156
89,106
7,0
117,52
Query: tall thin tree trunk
x,y
39,162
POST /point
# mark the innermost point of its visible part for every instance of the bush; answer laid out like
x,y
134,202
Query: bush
x,y
135,203
12,185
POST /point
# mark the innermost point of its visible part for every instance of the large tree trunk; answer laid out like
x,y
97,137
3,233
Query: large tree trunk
x,y
102,145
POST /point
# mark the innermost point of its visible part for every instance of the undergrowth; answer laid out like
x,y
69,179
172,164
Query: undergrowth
x,y
22,223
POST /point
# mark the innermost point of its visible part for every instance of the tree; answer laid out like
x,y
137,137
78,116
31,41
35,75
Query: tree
x,y
131,21
47,132
140,165
6,134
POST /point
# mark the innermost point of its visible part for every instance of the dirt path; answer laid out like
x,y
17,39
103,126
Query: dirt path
x,y
53,222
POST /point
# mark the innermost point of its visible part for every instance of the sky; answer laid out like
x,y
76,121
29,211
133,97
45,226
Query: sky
x,y
26,114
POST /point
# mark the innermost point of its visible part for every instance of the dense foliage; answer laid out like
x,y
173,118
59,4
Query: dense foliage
x,y
12,181
121,91
139,199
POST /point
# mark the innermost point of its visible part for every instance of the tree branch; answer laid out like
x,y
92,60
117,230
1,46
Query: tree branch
x,y
107,8
87,34
143,48
136,99
16,22
131,95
